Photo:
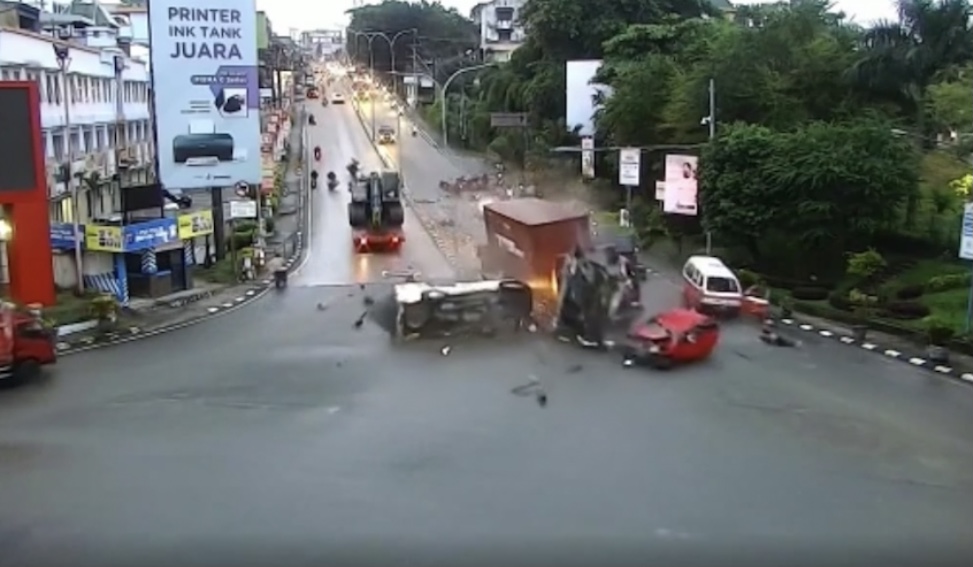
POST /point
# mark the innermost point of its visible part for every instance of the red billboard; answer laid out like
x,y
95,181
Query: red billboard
x,y
23,195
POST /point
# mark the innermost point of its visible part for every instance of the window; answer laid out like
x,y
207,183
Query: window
x,y
87,140
57,89
57,140
722,285
49,88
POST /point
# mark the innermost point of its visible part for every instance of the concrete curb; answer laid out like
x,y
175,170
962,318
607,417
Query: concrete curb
x,y
916,361
252,293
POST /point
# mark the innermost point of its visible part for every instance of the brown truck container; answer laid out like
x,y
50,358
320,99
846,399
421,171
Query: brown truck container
x,y
527,239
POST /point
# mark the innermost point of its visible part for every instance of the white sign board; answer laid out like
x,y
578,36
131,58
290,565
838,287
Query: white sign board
x,y
629,165
243,209
588,157
680,195
966,236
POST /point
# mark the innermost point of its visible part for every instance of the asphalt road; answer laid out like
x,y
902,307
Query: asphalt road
x,y
278,434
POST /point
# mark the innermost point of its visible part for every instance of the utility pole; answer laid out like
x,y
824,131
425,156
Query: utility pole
x,y
62,52
446,88
711,122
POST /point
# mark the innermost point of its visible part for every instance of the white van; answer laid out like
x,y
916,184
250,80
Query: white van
x,y
708,285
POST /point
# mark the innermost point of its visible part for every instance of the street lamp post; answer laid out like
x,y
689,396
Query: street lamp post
x,y
444,90
62,52
371,36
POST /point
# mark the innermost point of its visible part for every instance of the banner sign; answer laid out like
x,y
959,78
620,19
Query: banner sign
x,y
588,157
132,238
191,225
62,235
207,96
966,236
629,167
680,193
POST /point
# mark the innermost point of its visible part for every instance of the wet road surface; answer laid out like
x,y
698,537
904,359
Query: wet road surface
x,y
278,433
341,138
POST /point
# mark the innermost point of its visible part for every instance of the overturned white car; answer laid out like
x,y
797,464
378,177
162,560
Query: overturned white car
x,y
481,307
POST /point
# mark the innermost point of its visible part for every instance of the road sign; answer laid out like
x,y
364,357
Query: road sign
x,y
243,209
588,157
629,164
508,119
966,237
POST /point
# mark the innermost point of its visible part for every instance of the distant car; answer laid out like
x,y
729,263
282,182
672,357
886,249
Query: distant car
x,y
386,135
336,98
312,93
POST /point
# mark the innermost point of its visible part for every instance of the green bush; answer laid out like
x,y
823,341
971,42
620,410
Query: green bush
x,y
938,331
865,265
910,292
269,225
948,282
906,310
748,278
809,293
839,300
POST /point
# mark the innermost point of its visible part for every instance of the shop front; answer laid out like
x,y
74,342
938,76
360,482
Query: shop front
x,y
148,257
195,230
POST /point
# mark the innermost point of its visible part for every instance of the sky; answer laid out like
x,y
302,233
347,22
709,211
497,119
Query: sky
x,y
302,14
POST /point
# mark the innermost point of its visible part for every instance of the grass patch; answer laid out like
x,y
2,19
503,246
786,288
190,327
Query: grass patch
x,y
69,309
924,271
939,168
221,272
950,306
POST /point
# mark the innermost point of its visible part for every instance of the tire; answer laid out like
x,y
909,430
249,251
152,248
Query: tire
x,y
358,214
25,371
394,214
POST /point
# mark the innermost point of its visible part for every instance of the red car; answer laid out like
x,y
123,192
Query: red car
x,y
673,337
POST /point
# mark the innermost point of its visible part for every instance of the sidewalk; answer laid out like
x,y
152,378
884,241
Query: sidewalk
x,y
152,317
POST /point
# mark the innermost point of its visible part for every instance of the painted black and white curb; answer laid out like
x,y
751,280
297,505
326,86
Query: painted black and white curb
x,y
916,361
247,294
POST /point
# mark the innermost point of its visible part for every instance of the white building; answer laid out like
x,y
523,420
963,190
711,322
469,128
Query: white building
x,y
94,103
500,33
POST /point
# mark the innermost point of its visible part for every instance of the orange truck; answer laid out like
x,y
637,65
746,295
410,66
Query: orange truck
x,y
26,344
528,240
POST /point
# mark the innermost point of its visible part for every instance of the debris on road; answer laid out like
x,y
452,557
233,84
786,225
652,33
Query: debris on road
x,y
446,350
361,320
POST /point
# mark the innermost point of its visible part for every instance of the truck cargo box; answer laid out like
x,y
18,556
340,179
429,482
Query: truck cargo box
x,y
527,239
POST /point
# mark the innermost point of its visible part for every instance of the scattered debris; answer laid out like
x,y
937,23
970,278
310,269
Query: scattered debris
x,y
361,320
575,368
532,328
541,398
368,300
322,306
446,350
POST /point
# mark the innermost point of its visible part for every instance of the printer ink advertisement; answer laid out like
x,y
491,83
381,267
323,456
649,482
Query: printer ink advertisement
x,y
206,92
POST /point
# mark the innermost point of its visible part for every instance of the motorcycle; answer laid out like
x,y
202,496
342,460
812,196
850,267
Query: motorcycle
x,y
280,278
332,181
314,180
414,132
317,153
311,120
353,169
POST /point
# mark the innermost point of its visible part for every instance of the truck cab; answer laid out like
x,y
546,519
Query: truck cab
x,y
26,344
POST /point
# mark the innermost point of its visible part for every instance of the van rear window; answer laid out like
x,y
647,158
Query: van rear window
x,y
722,285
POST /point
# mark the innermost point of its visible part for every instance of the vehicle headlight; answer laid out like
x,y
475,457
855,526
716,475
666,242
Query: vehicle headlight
x,y
654,349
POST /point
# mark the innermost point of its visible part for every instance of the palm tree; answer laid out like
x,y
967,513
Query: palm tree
x,y
901,59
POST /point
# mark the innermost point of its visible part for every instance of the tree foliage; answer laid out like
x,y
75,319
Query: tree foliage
x,y
437,32
818,119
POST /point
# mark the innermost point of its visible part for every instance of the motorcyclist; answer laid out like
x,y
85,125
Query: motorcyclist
x,y
311,120
332,180
353,168
414,130
276,266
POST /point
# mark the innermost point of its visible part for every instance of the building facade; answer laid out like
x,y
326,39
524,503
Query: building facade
x,y
500,32
95,120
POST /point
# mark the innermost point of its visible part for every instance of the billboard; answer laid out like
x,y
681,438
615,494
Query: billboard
x,y
207,93
680,193
580,94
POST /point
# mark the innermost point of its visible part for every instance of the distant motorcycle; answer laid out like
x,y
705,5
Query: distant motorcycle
x,y
314,180
332,181
317,153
